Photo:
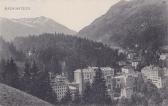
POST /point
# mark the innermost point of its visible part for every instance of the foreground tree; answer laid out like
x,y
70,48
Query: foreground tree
x,y
2,69
45,91
77,99
99,90
123,102
37,83
11,75
26,79
87,93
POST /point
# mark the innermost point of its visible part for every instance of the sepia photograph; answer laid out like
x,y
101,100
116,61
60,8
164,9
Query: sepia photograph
x,y
83,52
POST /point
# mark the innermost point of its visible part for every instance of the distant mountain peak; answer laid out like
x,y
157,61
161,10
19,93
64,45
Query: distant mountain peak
x,y
11,28
36,19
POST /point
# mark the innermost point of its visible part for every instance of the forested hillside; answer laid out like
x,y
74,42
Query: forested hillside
x,y
61,53
7,50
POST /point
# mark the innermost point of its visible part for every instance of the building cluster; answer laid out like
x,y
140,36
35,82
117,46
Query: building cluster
x,y
83,76
119,84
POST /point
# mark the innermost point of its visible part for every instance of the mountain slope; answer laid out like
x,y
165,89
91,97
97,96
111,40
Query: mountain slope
x,y
12,97
142,22
10,28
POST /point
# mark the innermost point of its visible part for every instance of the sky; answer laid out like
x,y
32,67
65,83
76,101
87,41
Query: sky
x,y
75,14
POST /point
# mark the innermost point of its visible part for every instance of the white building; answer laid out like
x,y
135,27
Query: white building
x,y
164,56
127,70
156,75
60,86
165,71
135,63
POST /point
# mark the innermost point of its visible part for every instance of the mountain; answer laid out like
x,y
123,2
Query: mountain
x,y
130,23
10,28
12,97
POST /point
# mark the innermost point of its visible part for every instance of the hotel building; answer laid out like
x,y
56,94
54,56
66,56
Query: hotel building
x,y
59,86
156,75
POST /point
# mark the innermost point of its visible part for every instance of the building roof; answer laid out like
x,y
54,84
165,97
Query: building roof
x,y
90,69
72,88
127,67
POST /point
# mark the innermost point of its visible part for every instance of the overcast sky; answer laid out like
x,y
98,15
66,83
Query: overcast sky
x,y
74,14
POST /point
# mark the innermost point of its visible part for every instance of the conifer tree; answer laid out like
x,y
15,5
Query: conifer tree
x,y
87,93
45,91
77,98
11,75
123,102
34,79
26,79
99,90
2,69
38,83
34,70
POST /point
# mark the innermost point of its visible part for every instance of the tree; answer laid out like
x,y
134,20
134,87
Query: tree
x,y
2,69
138,99
123,102
139,81
45,91
77,98
155,99
87,93
11,75
165,102
35,75
38,83
26,79
99,90
34,70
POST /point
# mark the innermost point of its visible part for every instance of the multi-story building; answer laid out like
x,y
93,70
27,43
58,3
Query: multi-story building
x,y
156,75
124,85
82,76
164,56
74,89
135,63
109,84
165,69
127,70
60,86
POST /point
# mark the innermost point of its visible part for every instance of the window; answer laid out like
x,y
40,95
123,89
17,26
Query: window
x,y
109,86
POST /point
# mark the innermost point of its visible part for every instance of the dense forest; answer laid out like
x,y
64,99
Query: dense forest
x,y
7,50
59,53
